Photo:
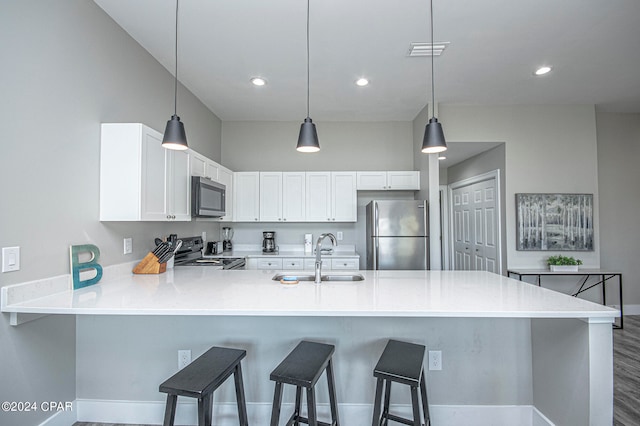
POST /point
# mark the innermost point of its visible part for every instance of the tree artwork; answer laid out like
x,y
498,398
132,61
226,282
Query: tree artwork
x,y
554,222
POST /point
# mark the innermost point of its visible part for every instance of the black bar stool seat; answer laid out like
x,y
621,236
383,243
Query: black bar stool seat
x,y
201,378
400,362
302,368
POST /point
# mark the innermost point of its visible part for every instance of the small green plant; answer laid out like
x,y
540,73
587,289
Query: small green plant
x,y
563,260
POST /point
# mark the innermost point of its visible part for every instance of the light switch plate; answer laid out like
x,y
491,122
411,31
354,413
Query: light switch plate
x,y
10,259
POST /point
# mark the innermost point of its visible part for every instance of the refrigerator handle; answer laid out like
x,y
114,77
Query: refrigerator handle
x,y
376,255
377,235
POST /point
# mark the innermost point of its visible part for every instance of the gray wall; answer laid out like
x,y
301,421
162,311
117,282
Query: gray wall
x,y
619,174
71,68
557,156
270,146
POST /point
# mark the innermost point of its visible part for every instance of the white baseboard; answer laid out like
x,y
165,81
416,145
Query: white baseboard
x,y
225,414
631,310
65,417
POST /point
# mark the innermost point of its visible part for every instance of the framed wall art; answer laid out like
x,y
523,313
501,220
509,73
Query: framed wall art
x,y
554,222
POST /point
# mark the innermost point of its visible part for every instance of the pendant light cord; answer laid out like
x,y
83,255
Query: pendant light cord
x,y
175,90
433,95
308,79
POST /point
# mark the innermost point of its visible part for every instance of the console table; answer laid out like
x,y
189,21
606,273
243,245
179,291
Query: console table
x,y
602,275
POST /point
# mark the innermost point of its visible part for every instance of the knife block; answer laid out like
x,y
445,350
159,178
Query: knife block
x,y
150,265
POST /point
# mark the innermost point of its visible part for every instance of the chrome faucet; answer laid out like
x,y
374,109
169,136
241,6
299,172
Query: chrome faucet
x,y
319,256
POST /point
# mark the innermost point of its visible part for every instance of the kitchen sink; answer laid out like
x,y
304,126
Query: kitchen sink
x,y
332,277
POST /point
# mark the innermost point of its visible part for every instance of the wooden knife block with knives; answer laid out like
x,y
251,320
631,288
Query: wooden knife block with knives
x,y
156,262
150,265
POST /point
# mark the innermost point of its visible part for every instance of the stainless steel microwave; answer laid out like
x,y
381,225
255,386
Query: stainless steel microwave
x,y
208,198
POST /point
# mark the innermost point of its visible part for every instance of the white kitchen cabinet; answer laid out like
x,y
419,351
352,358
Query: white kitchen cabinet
x,y
331,197
293,196
246,199
344,198
203,166
139,179
271,196
292,264
388,181
318,201
225,177
310,264
346,263
270,263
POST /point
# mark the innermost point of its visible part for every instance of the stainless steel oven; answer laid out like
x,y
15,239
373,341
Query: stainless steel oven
x,y
191,254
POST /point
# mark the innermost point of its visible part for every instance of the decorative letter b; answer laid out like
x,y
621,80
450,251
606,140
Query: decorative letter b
x,y
77,266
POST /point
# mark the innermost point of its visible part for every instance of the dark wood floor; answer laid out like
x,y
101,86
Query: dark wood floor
x,y
626,376
626,373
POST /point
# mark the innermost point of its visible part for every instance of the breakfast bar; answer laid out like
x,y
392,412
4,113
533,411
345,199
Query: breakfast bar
x,y
511,351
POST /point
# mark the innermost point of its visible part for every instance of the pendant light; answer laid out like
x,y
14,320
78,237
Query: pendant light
x,y
308,137
433,141
174,134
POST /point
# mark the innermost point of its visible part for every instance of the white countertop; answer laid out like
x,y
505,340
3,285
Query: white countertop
x,y
204,291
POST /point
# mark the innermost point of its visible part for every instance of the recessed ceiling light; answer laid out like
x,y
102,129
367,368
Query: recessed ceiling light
x,y
258,81
362,82
542,70
442,157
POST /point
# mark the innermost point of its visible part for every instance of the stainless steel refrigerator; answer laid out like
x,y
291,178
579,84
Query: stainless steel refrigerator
x,y
397,235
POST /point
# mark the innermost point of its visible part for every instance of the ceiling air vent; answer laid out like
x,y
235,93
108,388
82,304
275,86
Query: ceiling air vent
x,y
424,48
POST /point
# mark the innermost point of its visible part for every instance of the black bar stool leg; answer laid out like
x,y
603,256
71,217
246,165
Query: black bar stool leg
x,y
298,408
277,399
416,406
311,407
170,410
240,398
204,410
377,403
387,398
332,394
425,402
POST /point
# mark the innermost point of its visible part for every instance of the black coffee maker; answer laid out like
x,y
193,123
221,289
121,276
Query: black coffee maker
x,y
269,242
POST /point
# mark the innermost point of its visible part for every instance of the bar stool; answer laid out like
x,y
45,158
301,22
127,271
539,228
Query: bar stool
x,y
302,368
201,378
400,362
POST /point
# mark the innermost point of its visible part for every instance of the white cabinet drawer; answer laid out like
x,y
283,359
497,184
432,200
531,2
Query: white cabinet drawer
x,y
288,263
270,263
344,264
311,264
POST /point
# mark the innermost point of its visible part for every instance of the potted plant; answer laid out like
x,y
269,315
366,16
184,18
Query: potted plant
x,y
563,263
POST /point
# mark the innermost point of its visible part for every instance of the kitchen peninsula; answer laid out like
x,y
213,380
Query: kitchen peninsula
x,y
511,351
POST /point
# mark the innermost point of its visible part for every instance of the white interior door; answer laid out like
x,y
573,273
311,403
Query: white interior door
x,y
476,225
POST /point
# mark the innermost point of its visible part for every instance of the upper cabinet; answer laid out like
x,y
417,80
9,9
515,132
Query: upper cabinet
x,y
388,181
246,197
204,167
295,197
225,177
282,197
331,196
139,179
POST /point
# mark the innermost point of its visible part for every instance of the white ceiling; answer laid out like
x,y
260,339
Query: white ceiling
x,y
593,45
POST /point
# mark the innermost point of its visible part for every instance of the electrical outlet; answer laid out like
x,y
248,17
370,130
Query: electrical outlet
x,y
184,358
435,360
339,236
204,235
128,245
